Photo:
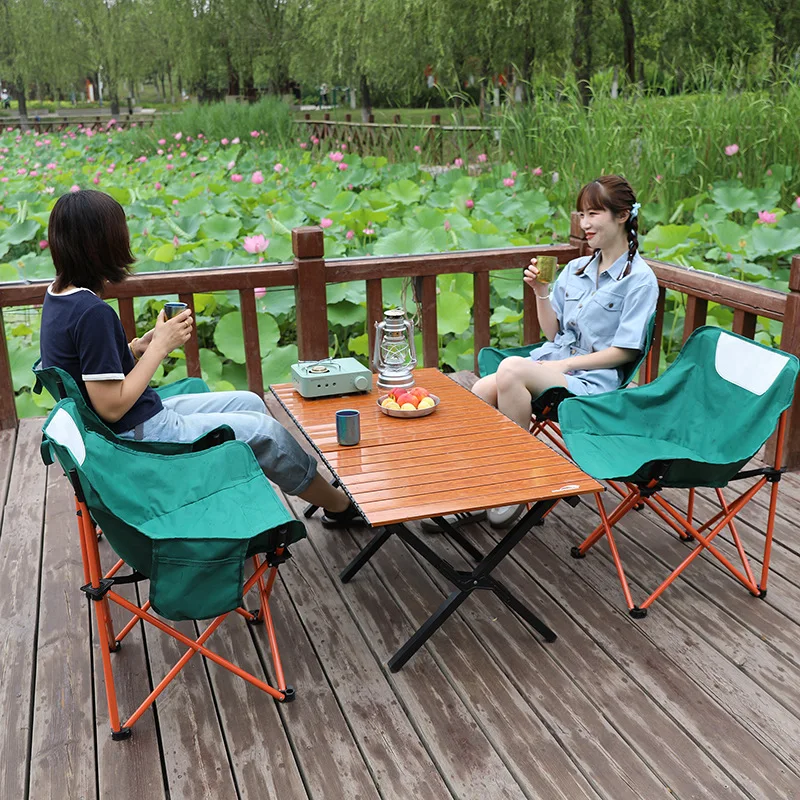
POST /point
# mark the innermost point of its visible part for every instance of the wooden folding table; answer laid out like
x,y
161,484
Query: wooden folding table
x,y
464,457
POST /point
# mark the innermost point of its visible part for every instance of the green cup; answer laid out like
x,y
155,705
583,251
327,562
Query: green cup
x,y
547,268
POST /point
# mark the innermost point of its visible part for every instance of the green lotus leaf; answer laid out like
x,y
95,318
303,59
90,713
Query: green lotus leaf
x,y
229,338
729,235
120,194
164,254
359,345
276,365
732,196
502,314
774,241
8,272
21,232
211,365
453,313
404,191
405,242
221,228
345,314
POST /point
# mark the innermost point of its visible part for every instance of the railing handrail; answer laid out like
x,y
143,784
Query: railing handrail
x,y
309,274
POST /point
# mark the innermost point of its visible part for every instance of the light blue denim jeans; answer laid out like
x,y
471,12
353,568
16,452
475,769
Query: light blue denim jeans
x,y
187,417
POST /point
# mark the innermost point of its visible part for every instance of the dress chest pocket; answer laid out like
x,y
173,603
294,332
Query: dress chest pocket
x,y
603,314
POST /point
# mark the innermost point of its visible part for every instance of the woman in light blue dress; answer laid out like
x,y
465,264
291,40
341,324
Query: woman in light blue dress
x,y
595,315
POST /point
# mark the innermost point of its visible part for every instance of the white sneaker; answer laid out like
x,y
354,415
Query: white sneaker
x,y
456,520
505,516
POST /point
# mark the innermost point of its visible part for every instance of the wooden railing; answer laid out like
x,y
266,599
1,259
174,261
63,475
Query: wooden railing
x,y
61,122
310,272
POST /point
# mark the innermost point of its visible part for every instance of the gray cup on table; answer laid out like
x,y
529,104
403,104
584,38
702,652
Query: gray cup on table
x,y
173,309
348,427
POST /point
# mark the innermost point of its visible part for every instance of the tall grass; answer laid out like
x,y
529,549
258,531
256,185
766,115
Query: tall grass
x,y
225,120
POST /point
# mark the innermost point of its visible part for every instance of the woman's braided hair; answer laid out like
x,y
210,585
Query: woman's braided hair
x,y
614,193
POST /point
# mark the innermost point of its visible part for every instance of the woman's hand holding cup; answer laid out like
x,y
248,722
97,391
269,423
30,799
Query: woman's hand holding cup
x,y
540,272
170,334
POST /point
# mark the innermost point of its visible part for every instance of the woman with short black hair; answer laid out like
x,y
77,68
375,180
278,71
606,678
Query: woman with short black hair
x,y
90,247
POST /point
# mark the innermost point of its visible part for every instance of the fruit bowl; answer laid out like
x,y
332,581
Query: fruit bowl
x,y
417,412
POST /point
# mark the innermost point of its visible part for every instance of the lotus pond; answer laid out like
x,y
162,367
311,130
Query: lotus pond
x,y
196,203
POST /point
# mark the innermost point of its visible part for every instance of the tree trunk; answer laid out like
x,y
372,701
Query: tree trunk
x,y
629,38
582,49
19,94
482,101
366,103
171,89
779,42
163,89
528,55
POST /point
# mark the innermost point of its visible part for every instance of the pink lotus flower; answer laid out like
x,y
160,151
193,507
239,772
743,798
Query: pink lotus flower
x,y
729,256
175,242
342,166
740,174
183,154
235,140
303,145
4,179
201,136
458,162
255,134
313,184
175,201
417,148
349,187
43,244
160,152
256,244
797,201
447,224
335,156
260,291
223,141
34,173
513,173
659,178
469,203
236,177
314,140
278,168
231,164
508,182
767,217
142,159
145,233
325,222
202,158
349,235
731,149
158,186
178,136
96,180
257,177
769,173
483,158
193,174
368,231
73,188
162,141
537,171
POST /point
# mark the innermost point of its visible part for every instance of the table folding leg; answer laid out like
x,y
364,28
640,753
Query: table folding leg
x,y
465,581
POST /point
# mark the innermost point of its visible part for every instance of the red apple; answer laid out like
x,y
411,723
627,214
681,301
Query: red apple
x,y
408,398
419,392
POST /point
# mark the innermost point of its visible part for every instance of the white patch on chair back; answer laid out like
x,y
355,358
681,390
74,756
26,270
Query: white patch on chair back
x,y
747,365
63,430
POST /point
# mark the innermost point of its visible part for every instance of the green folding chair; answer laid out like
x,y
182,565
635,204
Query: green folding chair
x,y
697,425
188,522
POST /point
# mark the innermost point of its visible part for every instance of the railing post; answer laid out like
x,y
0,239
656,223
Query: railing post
x,y
436,135
577,237
790,343
308,246
8,409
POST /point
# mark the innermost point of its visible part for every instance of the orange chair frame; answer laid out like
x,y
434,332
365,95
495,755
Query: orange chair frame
x,y
636,497
98,588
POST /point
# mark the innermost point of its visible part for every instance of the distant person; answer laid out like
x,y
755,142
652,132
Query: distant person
x,y
5,98
323,95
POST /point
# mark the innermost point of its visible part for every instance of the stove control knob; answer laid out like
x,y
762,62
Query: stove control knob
x,y
361,382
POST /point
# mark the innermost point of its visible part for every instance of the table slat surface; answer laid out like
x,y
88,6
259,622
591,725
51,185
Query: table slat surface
x,y
463,457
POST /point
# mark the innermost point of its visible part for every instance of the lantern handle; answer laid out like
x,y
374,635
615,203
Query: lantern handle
x,y
377,349
411,346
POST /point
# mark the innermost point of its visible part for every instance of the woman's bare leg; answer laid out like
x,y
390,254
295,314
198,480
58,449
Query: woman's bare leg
x,y
320,493
486,389
520,379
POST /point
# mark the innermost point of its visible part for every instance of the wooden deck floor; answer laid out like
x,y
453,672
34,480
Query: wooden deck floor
x,y
700,700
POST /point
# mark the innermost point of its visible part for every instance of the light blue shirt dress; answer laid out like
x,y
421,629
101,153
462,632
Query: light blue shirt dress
x,y
595,313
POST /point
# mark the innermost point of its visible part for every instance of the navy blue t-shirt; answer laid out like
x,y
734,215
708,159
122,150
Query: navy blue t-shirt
x,y
83,336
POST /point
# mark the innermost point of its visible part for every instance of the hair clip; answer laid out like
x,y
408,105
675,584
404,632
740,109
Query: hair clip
x,y
635,210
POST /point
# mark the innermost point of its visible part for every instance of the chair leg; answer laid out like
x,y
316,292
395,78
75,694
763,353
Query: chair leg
x,y
625,505
606,524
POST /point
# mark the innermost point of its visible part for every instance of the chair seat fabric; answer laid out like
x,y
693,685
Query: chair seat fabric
x,y
693,425
187,521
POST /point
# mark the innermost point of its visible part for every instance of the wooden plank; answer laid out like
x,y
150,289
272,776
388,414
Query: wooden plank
x,y
650,368
336,768
600,677
696,312
192,347
311,308
136,762
127,317
374,314
20,549
245,710
675,683
481,312
63,747
430,331
8,408
468,761
8,439
744,323
252,344
193,749
394,753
